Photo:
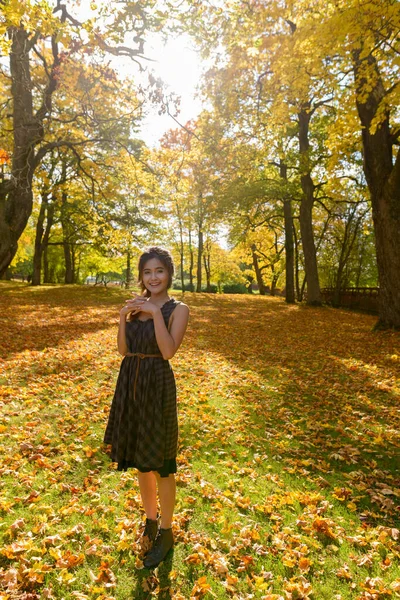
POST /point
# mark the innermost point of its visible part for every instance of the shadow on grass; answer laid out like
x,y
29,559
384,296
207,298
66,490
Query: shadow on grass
x,y
321,395
147,581
35,318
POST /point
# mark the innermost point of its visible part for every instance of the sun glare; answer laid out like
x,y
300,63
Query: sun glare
x,y
180,67
176,62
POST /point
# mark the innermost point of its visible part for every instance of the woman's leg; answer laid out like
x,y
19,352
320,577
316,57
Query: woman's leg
x,y
148,491
167,494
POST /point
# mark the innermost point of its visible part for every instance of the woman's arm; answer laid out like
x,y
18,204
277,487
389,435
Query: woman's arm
x,y
121,339
169,341
131,307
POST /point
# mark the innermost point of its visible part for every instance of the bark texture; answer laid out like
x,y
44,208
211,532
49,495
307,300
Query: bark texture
x,y
382,172
16,196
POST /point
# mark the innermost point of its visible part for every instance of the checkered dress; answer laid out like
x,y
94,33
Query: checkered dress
x,y
143,422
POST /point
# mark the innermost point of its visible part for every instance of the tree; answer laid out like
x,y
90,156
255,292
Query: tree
x,y
42,43
286,65
187,164
356,46
46,213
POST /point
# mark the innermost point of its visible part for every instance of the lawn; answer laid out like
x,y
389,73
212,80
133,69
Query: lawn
x,y
288,466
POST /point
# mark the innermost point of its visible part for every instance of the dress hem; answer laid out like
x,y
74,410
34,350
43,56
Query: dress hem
x,y
169,467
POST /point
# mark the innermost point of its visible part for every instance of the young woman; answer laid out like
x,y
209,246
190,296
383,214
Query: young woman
x,y
143,425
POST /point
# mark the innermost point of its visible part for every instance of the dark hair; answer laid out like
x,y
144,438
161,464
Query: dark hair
x,y
163,256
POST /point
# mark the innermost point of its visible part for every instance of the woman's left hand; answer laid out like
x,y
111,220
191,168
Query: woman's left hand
x,y
148,307
142,304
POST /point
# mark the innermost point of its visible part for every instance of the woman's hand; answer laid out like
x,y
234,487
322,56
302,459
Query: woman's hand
x,y
147,307
134,305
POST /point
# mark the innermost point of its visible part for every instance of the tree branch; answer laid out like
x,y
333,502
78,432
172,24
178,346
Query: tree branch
x,y
52,84
115,50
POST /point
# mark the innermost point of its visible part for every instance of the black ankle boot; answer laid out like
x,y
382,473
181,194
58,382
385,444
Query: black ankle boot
x,y
162,544
149,534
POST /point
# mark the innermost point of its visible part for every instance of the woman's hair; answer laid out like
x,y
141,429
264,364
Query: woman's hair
x,y
163,256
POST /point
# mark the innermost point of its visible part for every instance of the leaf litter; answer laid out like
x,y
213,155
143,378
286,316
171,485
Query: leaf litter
x,y
287,483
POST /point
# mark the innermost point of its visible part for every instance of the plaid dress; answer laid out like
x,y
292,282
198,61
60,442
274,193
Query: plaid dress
x,y
143,421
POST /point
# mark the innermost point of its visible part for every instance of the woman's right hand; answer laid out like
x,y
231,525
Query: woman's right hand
x,y
133,305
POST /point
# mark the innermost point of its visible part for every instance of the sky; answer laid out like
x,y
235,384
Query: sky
x,y
179,66
176,62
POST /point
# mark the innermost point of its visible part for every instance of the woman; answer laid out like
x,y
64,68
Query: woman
x,y
143,424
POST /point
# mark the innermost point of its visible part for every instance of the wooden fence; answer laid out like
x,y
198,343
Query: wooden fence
x,y
360,298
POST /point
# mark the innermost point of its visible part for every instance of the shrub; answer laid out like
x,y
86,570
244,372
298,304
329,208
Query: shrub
x,y
213,289
177,285
235,288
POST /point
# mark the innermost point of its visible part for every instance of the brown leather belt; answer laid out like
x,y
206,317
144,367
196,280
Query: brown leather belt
x,y
139,356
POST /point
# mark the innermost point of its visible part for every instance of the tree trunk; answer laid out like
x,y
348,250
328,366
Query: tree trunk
x,y
296,264
249,284
181,255
274,281
207,268
73,260
199,258
67,243
16,197
46,274
45,242
69,278
181,258
69,273
383,178
181,245
289,247
306,206
77,266
52,274
128,270
182,272
37,257
302,287
191,266
348,242
260,283
342,262
16,194
289,252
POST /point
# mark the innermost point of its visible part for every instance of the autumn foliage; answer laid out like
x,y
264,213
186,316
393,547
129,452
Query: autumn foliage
x,y
287,462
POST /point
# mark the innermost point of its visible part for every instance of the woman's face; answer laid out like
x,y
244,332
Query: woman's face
x,y
155,276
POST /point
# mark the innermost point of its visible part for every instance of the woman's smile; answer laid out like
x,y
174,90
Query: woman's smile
x,y
155,268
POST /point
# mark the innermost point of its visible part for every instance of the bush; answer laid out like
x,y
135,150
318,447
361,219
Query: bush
x,y
177,285
22,270
235,288
213,289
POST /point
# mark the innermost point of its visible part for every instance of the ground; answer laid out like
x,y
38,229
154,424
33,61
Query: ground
x,y
289,421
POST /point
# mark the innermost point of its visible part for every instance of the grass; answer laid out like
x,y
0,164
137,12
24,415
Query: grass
x,y
287,483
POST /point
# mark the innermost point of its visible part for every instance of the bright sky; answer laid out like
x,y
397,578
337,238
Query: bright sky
x,y
177,63
179,66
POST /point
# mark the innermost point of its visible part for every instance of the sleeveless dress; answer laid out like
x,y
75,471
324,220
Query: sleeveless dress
x,y
143,421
